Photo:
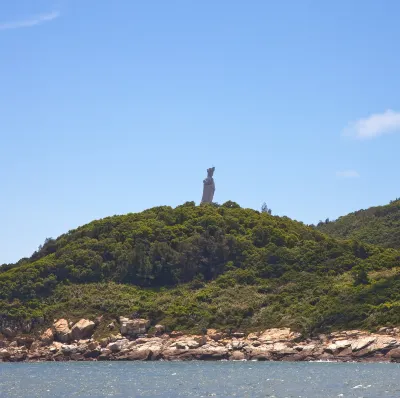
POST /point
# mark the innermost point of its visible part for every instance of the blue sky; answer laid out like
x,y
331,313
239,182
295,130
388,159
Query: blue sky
x,y
110,107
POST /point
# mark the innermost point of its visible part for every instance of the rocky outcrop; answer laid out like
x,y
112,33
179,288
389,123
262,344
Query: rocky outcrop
x,y
82,329
47,337
270,345
62,331
133,327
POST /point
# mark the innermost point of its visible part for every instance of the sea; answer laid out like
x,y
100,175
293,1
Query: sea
x,y
200,379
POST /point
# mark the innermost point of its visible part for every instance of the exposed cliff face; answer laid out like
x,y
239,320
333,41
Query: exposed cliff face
x,y
272,345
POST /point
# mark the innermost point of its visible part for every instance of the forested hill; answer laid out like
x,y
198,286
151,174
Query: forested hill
x,y
377,225
206,266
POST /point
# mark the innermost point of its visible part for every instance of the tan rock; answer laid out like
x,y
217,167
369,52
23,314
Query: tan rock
x,y
186,344
4,354
160,329
361,343
383,343
394,354
276,335
214,335
252,336
174,334
340,344
133,327
83,328
62,330
47,336
237,356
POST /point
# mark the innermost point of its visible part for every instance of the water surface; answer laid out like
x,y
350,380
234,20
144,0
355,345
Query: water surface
x,y
200,379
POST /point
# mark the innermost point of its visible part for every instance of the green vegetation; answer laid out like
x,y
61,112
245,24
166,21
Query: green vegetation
x,y
377,225
207,266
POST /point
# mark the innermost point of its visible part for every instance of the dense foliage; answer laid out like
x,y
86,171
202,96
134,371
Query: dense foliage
x,y
377,225
202,266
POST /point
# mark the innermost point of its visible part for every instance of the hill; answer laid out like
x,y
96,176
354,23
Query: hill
x,y
196,267
378,225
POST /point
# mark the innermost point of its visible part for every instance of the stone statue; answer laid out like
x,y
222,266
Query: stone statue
x,y
209,187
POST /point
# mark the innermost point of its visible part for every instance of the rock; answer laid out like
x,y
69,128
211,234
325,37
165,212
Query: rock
x,y
4,354
237,344
214,335
276,335
394,355
105,354
98,320
160,329
259,353
34,346
210,352
238,335
362,343
83,328
47,337
186,344
346,352
134,327
252,336
340,344
25,341
62,330
69,349
95,353
383,343
175,334
93,345
8,332
118,345
237,356
76,356
136,355
331,348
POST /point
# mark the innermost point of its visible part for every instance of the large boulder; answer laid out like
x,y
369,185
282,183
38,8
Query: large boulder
x,y
47,336
394,355
214,334
237,356
83,328
361,343
9,332
276,335
62,331
133,327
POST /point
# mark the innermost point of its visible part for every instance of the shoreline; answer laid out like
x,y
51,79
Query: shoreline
x,y
131,341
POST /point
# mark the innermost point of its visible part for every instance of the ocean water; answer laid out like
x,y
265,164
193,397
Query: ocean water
x,y
200,379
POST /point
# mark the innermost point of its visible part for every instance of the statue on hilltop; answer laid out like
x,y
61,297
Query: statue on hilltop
x,y
209,187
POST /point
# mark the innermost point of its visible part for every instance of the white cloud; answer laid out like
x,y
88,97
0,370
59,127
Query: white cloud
x,y
29,22
347,174
374,125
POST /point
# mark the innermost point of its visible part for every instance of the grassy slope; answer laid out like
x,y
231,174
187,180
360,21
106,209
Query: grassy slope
x,y
376,225
193,267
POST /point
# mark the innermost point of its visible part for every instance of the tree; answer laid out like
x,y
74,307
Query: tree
x,y
265,209
360,275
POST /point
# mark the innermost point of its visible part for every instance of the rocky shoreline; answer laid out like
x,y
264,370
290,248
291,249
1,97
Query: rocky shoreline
x,y
129,340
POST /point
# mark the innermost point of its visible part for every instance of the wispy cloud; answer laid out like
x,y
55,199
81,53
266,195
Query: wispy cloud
x,y
373,126
347,174
31,21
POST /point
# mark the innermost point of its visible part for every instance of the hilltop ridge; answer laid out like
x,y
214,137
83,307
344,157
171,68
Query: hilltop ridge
x,y
378,225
